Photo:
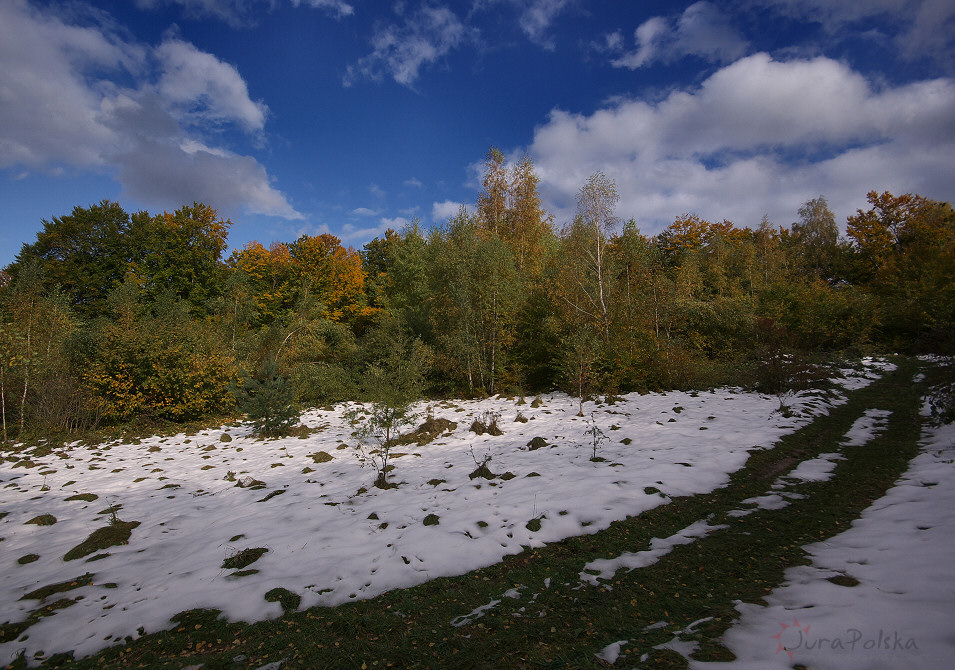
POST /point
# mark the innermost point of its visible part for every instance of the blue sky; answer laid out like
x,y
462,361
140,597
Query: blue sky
x,y
352,116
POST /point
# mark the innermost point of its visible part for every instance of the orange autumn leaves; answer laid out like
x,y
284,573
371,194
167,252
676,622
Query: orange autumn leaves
x,y
312,266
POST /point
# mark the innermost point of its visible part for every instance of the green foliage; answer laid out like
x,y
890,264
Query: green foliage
x,y
112,318
396,367
393,379
476,291
179,253
268,400
155,360
84,253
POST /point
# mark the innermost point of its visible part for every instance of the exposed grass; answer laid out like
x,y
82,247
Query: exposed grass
x,y
287,599
43,520
243,558
45,592
427,432
563,625
85,497
116,533
139,428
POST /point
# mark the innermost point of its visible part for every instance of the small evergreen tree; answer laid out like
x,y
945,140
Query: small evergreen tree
x,y
268,400
393,381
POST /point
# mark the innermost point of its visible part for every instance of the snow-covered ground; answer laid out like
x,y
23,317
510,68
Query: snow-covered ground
x,y
326,539
892,602
327,542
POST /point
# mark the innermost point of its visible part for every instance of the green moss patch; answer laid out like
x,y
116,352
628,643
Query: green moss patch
x,y
43,520
271,495
243,558
321,457
115,534
432,520
287,599
242,573
536,443
86,497
29,558
250,483
428,432
45,592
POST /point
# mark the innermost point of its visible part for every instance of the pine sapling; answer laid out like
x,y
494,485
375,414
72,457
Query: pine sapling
x,y
597,436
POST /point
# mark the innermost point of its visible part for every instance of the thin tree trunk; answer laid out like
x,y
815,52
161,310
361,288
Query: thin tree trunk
x,y
3,403
26,371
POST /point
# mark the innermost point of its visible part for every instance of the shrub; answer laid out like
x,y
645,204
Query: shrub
x,y
268,401
487,423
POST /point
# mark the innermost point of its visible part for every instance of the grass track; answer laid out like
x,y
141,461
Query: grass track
x,y
564,625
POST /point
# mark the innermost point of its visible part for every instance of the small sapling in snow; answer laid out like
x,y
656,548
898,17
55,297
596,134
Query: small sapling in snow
x,y
597,436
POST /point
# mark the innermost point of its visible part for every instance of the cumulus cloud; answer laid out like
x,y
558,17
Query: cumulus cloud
x,y
396,223
424,37
758,137
442,211
202,87
364,211
67,101
701,30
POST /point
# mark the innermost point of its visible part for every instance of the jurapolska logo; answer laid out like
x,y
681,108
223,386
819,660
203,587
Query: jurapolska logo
x,y
779,636
794,637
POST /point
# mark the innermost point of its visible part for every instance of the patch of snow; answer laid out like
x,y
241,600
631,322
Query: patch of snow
x,y
817,469
867,427
659,547
325,541
898,615
611,652
476,613
872,369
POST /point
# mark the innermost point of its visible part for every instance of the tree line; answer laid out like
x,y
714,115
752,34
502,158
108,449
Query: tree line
x,y
109,317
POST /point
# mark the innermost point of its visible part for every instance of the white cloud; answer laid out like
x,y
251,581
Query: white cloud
x,y
425,37
702,30
336,7
396,223
757,137
442,211
922,28
86,98
414,182
159,168
364,211
648,36
203,87
536,20
241,13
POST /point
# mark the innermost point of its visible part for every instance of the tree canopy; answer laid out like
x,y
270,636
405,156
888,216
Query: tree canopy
x,y
111,317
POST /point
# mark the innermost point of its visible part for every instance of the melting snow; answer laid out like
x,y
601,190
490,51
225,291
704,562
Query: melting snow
x,y
326,541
